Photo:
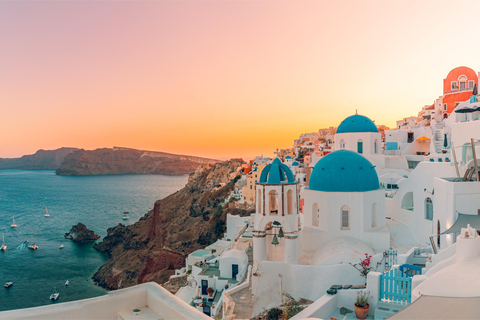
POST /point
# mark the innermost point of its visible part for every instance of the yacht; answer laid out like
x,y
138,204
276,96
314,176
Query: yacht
x,y
61,246
54,295
8,284
67,283
125,216
32,246
3,247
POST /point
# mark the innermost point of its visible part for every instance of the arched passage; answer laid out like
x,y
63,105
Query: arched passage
x,y
273,202
259,201
315,213
289,202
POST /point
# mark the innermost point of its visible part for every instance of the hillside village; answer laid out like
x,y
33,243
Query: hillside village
x,y
357,209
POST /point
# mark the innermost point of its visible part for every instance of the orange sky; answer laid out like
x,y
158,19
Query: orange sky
x,y
219,79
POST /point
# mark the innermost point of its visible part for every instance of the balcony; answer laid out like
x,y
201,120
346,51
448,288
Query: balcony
x,y
458,90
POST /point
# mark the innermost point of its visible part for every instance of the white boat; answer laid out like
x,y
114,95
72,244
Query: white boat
x,y
13,225
61,246
46,214
3,247
125,217
8,284
32,246
67,283
54,295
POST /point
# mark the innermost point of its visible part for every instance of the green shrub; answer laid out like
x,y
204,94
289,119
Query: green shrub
x,y
274,314
292,307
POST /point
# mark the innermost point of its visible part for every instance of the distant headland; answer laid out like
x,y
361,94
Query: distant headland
x,y
116,160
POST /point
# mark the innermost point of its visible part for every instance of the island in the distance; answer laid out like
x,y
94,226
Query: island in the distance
x,y
118,160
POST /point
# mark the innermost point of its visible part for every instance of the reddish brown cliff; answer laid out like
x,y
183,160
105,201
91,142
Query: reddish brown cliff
x,y
152,248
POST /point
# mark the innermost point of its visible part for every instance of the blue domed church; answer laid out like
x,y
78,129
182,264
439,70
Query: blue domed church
x,y
359,134
344,200
277,219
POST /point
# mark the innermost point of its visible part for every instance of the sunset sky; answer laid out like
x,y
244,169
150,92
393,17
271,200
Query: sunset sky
x,y
219,79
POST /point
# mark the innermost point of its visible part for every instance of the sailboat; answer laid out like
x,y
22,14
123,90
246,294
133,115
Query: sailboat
x,y
13,225
32,246
3,247
46,214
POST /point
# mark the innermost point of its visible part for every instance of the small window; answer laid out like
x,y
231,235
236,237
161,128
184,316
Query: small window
x,y
428,209
375,146
360,146
342,144
454,85
410,137
471,84
345,218
444,107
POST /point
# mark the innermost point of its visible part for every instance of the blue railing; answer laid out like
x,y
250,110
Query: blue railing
x,y
390,258
395,287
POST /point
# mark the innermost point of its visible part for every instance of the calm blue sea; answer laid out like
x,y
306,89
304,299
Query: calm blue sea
x,y
96,201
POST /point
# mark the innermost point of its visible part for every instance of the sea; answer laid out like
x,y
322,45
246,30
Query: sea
x,y
99,202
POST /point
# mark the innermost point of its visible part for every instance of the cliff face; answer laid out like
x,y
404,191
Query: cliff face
x,y
128,161
80,233
152,248
41,160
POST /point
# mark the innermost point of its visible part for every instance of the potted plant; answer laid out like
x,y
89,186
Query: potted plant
x,y
210,292
361,304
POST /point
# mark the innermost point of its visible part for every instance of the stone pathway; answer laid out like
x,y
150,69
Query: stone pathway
x,y
243,304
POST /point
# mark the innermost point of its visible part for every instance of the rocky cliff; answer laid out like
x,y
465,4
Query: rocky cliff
x,y
128,161
42,160
80,233
191,218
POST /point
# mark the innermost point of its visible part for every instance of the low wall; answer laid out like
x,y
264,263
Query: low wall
x,y
108,306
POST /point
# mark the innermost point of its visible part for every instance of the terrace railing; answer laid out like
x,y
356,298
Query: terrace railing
x,y
396,287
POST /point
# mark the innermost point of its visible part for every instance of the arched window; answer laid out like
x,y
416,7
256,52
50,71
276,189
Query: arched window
x,y
259,201
345,218
342,144
360,146
407,201
315,212
428,209
462,80
272,199
290,202
375,146
374,215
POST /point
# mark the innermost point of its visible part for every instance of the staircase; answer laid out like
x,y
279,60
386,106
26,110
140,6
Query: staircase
x,y
438,136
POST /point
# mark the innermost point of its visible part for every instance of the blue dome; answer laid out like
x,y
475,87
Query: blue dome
x,y
288,157
357,123
276,173
343,171
295,164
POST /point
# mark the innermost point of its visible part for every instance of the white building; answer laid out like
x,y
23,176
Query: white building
x,y
344,199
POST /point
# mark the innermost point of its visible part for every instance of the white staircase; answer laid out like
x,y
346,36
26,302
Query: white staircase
x,y
438,136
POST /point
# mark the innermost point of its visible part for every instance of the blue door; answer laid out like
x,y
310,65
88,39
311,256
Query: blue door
x,y
234,270
204,287
360,146
206,310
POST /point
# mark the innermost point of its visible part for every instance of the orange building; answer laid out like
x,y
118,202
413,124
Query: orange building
x,y
458,87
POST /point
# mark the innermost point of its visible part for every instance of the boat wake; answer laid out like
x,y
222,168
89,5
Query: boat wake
x,y
23,246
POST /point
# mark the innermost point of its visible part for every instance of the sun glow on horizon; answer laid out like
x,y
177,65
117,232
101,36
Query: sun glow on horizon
x,y
218,79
